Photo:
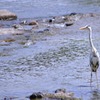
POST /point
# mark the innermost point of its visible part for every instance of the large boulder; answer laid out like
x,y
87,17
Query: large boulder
x,y
7,15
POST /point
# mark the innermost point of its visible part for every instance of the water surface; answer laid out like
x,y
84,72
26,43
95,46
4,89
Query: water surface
x,y
45,8
60,61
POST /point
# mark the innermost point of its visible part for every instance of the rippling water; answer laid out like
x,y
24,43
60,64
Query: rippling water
x,y
56,62
44,8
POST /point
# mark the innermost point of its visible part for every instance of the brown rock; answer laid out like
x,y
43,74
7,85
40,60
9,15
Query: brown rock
x,y
33,23
9,40
7,15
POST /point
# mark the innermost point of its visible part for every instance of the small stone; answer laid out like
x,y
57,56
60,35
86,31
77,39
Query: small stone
x,y
33,23
37,95
68,24
9,40
73,14
17,26
51,20
60,90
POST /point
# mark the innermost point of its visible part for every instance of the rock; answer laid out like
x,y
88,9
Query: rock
x,y
73,17
72,14
60,90
37,95
68,24
33,23
7,15
11,31
9,40
51,20
59,94
17,26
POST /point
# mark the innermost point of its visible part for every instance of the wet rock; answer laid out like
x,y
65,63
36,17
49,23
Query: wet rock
x,y
9,40
59,94
57,19
68,24
46,29
60,90
7,15
73,14
36,95
33,23
72,17
17,26
51,20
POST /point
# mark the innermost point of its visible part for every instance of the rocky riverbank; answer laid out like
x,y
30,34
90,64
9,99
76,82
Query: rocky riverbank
x,y
18,35
26,32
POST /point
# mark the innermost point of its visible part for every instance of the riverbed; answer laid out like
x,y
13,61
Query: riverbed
x,y
53,55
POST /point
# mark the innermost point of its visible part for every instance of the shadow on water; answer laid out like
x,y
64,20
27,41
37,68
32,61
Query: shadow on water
x,y
95,95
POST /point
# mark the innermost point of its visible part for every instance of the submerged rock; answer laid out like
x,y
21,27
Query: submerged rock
x,y
7,15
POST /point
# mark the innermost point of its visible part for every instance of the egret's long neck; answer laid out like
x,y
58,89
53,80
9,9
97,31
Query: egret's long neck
x,y
90,38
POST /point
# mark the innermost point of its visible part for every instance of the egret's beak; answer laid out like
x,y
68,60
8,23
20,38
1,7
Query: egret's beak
x,y
82,28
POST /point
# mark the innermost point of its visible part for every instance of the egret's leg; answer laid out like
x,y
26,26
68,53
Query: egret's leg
x,y
91,77
97,79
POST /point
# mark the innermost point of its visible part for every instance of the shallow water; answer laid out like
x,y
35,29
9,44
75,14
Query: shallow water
x,y
60,61
56,62
45,8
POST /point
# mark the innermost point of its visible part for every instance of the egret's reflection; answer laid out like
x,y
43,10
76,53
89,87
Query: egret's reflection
x,y
95,95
